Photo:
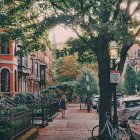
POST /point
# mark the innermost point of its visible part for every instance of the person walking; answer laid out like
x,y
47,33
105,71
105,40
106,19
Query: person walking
x,y
62,105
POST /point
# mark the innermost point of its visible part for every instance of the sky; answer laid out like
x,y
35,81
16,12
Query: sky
x,y
61,33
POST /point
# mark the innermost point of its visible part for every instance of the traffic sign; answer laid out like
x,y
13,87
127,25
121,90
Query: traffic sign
x,y
115,76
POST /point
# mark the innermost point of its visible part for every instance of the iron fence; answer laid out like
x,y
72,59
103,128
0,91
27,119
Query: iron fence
x,y
43,112
12,123
17,118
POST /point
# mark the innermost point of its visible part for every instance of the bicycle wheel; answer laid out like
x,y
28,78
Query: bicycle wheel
x,y
122,134
95,132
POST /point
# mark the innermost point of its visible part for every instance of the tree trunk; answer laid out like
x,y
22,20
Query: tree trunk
x,y
104,81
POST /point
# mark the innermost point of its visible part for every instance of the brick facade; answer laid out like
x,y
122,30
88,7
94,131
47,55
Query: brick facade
x,y
8,64
27,74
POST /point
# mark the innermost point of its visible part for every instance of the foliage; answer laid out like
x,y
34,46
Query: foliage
x,y
5,129
68,88
130,81
44,91
85,54
16,123
22,22
67,69
82,84
24,98
120,87
52,92
97,23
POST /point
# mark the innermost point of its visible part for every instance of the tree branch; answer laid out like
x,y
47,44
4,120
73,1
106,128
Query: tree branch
x,y
116,12
88,42
123,55
59,7
137,33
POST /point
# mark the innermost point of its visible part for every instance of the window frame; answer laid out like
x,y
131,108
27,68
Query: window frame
x,y
15,80
36,69
5,80
5,49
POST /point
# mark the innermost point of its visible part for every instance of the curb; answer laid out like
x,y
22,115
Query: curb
x,y
55,115
29,135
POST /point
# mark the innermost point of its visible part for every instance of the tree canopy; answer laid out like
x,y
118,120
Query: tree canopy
x,y
130,81
22,21
111,19
82,84
66,69
97,23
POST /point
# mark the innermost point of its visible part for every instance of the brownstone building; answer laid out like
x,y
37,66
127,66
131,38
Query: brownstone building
x,y
35,72
23,74
8,66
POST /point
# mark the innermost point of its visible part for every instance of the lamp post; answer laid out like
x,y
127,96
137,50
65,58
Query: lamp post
x,y
88,97
114,77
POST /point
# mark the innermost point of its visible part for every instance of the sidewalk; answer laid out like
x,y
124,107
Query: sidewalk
x,y
76,125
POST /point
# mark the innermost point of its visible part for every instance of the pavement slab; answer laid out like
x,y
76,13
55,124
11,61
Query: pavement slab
x,y
76,125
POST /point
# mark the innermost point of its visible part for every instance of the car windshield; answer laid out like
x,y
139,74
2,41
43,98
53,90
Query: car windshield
x,y
132,103
137,116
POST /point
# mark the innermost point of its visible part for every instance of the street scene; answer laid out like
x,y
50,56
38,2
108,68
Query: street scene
x,y
70,70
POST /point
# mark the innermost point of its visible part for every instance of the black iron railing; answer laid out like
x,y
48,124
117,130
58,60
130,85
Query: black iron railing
x,y
14,122
16,117
21,123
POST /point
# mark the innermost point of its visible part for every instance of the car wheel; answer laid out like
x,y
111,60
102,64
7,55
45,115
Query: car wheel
x,y
130,134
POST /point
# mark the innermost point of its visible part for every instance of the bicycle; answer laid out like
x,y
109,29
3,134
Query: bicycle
x,y
111,133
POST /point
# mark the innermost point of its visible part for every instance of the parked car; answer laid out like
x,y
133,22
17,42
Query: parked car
x,y
118,96
134,127
127,107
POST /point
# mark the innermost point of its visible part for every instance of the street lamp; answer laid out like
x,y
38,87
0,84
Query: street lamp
x,y
88,97
114,76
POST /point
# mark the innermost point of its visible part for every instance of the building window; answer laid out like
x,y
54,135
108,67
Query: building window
x,y
5,80
36,69
32,65
15,80
138,53
26,61
15,49
42,74
4,46
20,60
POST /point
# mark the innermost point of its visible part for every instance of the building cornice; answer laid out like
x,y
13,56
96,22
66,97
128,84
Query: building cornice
x,y
8,62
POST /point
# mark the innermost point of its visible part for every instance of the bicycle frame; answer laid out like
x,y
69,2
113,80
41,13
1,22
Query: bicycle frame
x,y
110,129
